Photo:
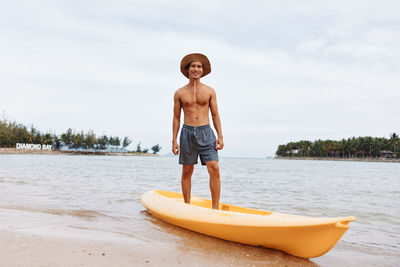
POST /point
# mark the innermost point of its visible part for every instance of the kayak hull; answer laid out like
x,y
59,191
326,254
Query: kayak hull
x,y
301,236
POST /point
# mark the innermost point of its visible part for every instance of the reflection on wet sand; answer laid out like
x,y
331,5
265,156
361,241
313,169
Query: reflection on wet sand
x,y
225,252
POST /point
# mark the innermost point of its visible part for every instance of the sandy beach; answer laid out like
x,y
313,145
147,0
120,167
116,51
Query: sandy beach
x,y
22,249
39,239
34,239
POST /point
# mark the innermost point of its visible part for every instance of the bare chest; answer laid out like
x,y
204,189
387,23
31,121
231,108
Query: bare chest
x,y
190,99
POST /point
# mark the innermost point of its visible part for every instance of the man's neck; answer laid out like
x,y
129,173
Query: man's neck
x,y
192,82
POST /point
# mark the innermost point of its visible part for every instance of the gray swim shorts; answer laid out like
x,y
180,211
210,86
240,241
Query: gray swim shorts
x,y
195,141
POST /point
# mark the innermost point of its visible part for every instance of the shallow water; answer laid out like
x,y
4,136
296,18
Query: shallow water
x,y
103,193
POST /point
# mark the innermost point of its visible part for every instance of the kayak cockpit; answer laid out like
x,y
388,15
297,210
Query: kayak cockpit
x,y
206,203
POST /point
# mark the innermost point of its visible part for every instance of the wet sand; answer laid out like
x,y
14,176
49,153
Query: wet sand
x,y
36,239
22,249
32,239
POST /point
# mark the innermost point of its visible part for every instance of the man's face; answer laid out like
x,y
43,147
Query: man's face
x,y
195,70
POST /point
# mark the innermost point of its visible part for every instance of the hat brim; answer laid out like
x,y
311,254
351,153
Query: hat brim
x,y
196,57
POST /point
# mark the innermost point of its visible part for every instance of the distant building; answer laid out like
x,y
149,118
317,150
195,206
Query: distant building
x,y
387,154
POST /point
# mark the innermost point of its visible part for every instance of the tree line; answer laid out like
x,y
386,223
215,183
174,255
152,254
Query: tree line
x,y
346,148
12,132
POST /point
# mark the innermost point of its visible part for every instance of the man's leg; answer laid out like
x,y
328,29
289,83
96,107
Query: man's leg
x,y
215,183
186,182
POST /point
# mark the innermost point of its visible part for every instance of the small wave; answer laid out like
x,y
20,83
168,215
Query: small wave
x,y
86,214
21,182
3,180
127,200
373,248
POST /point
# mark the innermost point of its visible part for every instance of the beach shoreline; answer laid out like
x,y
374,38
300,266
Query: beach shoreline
x,y
366,159
61,152
39,239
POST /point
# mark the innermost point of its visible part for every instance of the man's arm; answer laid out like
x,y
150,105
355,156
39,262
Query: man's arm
x,y
176,123
216,120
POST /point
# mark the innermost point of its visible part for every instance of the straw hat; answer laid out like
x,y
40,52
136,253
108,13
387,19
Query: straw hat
x,y
192,58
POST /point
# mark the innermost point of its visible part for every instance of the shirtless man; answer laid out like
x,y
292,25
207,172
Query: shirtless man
x,y
197,137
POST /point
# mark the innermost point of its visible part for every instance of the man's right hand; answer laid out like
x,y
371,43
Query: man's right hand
x,y
175,148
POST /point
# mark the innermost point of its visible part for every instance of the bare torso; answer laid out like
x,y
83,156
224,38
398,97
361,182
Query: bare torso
x,y
195,102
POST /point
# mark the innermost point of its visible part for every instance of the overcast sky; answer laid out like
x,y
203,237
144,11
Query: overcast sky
x,y
282,70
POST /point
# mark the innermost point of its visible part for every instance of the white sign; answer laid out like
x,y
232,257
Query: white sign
x,y
33,146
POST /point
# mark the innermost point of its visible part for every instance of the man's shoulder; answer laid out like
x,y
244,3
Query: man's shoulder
x,y
180,90
207,87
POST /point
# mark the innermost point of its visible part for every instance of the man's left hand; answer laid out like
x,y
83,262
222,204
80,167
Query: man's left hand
x,y
219,144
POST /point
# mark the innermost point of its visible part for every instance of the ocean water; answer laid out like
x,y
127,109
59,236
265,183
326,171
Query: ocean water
x,y
103,193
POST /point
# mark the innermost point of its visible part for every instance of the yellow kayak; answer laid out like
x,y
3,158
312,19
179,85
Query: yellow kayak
x,y
301,236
